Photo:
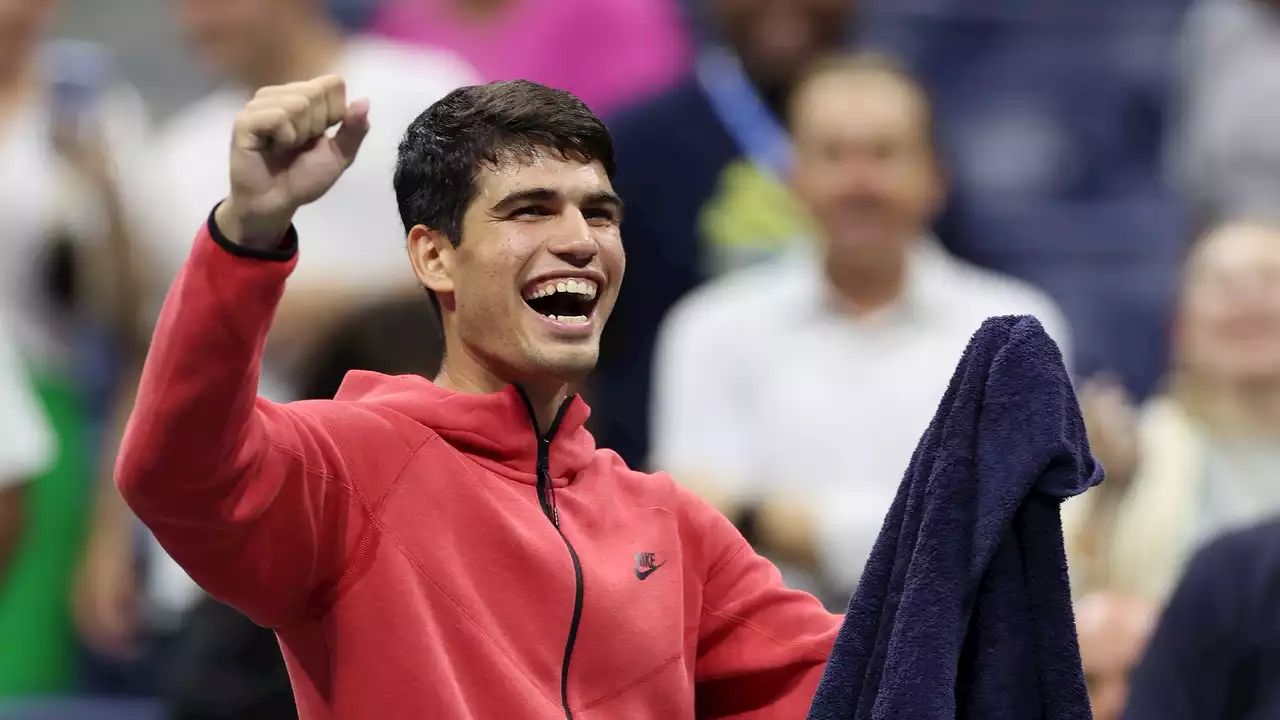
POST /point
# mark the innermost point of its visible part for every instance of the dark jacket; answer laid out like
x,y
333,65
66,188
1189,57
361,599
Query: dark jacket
x,y
1215,654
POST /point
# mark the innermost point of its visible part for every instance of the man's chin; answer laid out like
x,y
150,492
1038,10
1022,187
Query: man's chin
x,y
568,363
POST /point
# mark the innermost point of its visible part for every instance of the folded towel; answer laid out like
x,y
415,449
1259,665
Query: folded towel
x,y
964,609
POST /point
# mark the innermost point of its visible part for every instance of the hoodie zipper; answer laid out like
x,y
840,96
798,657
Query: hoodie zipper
x,y
547,501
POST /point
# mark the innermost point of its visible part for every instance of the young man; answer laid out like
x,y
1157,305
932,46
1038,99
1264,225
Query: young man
x,y
457,548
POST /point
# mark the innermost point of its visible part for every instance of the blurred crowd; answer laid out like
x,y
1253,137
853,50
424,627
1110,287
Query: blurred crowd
x,y
825,198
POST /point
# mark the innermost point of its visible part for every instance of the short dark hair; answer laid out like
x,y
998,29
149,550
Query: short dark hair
x,y
445,148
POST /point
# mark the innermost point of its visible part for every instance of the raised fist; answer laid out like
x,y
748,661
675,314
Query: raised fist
x,y
283,157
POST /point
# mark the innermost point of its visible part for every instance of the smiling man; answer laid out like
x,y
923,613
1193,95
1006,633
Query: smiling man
x,y
456,549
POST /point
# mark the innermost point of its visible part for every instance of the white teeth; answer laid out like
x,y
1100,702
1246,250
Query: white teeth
x,y
583,287
569,319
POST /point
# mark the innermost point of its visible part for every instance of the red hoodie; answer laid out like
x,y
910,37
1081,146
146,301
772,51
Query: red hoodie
x,y
423,553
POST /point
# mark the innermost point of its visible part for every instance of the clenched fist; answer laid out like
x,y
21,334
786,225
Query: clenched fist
x,y
283,157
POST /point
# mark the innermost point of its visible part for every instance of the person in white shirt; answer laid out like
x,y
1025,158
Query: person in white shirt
x,y
792,394
356,250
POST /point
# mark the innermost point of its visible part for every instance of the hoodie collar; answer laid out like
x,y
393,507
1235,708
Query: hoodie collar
x,y
495,429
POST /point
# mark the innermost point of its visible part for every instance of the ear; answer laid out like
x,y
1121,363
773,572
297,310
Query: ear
x,y
432,256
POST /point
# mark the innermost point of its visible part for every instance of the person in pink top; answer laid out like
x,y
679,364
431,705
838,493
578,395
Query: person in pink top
x,y
607,53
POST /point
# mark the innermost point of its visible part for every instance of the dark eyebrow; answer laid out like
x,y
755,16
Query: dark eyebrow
x,y
606,198
548,195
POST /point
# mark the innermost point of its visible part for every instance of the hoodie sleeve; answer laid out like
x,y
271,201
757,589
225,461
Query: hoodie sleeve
x,y
762,646
243,493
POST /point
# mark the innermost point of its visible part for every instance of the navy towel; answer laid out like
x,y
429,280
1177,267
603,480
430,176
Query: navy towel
x,y
964,609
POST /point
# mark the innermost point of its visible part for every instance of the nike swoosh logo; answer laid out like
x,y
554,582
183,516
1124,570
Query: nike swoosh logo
x,y
642,574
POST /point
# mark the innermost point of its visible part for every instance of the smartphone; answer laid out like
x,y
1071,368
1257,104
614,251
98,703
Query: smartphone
x,y
78,74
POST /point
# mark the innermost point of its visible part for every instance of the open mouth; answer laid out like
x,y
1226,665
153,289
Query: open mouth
x,y
568,301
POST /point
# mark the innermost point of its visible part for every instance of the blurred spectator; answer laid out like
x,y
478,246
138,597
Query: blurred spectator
x,y
1203,457
1215,653
1228,153
354,244
608,53
26,449
65,121
1113,632
703,169
798,389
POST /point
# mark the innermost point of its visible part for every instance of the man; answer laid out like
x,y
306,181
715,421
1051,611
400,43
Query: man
x,y
1113,632
704,167
793,394
457,548
353,255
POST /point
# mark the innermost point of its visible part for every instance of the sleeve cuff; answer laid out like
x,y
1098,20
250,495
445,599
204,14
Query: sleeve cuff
x,y
287,249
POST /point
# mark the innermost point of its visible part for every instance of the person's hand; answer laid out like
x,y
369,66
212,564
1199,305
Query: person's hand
x,y
282,156
104,602
1112,424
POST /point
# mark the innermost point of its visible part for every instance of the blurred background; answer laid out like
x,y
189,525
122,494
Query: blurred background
x,y
825,199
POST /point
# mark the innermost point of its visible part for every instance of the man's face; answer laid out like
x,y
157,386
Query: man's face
x,y
776,38
229,35
864,166
21,24
533,280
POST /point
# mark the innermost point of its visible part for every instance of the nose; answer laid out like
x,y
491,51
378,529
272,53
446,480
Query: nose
x,y
575,243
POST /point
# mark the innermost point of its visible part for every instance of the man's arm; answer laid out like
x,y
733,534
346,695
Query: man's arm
x,y
240,491
250,497
762,646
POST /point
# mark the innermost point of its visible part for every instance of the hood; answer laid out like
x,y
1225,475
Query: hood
x,y
495,429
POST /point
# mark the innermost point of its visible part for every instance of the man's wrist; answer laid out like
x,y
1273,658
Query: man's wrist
x,y
267,233
229,231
